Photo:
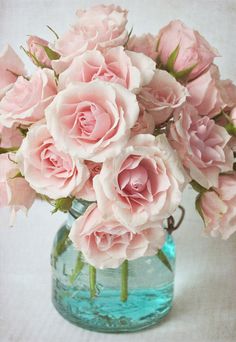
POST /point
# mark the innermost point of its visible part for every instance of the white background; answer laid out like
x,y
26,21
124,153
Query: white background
x,y
205,299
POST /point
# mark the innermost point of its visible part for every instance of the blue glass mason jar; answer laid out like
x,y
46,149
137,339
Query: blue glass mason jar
x,y
112,303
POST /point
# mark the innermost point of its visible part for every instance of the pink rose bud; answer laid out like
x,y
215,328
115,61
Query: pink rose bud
x,y
11,67
112,243
218,207
192,50
202,146
15,191
35,46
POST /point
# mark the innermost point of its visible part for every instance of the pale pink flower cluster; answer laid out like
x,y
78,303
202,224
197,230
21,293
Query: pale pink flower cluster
x,y
122,122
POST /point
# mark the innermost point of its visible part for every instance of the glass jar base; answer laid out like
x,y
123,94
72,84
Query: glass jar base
x,y
107,314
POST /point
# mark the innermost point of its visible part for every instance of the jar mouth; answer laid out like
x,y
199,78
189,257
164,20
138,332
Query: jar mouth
x,y
78,207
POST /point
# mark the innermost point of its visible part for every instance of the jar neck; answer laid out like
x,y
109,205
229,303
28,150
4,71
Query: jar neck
x,y
78,207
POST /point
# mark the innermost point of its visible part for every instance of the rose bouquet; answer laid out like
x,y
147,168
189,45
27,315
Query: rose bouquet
x,y
122,123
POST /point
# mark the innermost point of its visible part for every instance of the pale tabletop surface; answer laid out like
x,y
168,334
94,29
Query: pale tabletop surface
x,y
205,298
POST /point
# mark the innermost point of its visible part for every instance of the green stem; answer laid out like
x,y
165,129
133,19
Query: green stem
x,y
124,281
78,268
92,281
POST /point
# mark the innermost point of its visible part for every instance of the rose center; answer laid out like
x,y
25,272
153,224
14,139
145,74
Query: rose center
x,y
87,122
134,180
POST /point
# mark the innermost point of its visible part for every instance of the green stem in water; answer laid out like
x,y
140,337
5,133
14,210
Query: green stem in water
x,y
78,268
92,281
124,281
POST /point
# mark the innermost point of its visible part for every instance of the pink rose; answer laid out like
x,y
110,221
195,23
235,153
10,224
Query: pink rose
x,y
202,147
209,95
26,101
162,96
144,184
10,67
35,46
219,209
129,69
105,243
48,171
145,123
15,191
99,27
10,137
146,44
92,120
87,192
194,50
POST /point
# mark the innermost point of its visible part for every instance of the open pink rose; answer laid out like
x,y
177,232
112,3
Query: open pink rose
x,y
105,243
129,69
92,120
209,95
99,27
202,146
15,191
162,96
145,123
143,184
26,101
219,209
87,192
11,67
35,46
147,44
48,171
10,137
194,50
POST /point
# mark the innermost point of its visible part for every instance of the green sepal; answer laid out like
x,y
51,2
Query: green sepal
x,y
18,175
172,58
8,149
183,74
52,55
198,206
197,187
163,258
231,129
62,204
23,131
159,64
53,31
33,58
129,34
